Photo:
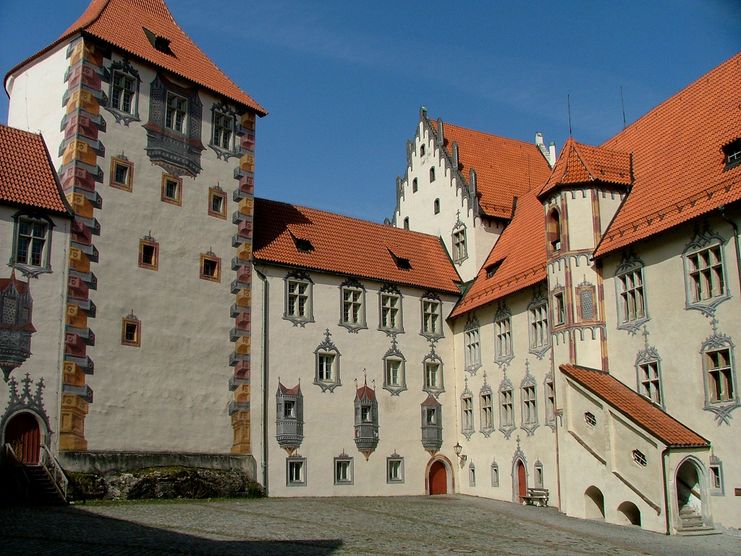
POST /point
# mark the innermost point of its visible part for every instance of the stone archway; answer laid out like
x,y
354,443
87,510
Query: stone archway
x,y
629,514
690,493
594,503
23,433
439,476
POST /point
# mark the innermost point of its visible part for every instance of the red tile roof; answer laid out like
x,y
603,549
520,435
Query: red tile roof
x,y
505,168
634,406
27,176
583,164
343,245
677,159
120,23
365,392
521,250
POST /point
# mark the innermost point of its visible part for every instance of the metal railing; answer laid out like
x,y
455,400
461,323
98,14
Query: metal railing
x,y
50,463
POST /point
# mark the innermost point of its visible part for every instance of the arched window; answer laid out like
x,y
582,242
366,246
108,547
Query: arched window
x,y
406,223
414,185
436,206
432,175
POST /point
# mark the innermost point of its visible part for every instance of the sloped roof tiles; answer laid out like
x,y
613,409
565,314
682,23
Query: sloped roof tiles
x,y
121,23
505,168
678,162
27,177
314,239
634,406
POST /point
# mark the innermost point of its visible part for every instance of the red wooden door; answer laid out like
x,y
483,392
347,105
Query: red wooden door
x,y
24,436
438,478
521,480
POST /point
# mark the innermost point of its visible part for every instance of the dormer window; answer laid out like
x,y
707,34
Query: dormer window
x,y
401,262
302,244
732,153
159,42
492,268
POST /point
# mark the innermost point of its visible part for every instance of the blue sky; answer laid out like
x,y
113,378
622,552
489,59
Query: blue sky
x,y
343,81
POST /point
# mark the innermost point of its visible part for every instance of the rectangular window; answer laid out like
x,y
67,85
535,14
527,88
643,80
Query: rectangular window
x,y
550,401
395,470
719,375
716,478
559,309
172,187
122,173
366,414
390,311
296,472
177,108
343,469
352,306
326,363
130,332
504,338
705,269
148,254
529,410
632,302
472,349
297,299
223,130
210,267
430,416
467,405
649,381
393,372
289,409
459,245
508,414
431,317
539,334
30,241
487,417
216,202
122,92
432,375
586,302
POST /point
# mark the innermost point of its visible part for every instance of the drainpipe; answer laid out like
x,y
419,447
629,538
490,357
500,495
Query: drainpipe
x,y
264,344
722,211
556,416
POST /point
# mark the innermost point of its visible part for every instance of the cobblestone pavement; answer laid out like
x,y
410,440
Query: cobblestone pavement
x,y
292,526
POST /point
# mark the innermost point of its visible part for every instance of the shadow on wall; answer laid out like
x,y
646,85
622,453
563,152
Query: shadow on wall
x,y
58,530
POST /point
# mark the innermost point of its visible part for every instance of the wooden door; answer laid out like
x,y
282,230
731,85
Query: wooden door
x,y
521,480
438,478
24,436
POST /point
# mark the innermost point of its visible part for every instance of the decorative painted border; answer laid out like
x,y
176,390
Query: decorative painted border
x,y
81,152
241,287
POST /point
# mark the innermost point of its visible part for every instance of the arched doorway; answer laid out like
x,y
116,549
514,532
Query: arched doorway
x,y
24,435
629,514
594,503
520,481
438,478
689,495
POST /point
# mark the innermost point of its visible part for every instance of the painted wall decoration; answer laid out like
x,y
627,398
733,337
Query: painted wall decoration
x,y
16,308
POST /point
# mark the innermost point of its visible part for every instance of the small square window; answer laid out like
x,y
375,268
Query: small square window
x,y
217,202
172,189
210,267
122,173
148,253
296,472
131,331
343,470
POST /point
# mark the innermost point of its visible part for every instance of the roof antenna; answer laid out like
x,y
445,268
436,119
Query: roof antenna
x,y
622,105
568,102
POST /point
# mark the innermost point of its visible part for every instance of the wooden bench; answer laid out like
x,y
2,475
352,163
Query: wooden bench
x,y
536,497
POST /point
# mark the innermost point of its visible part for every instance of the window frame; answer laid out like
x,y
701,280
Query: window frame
x,y
131,320
468,425
302,479
182,108
459,248
398,477
298,319
494,470
343,458
560,312
354,286
506,407
503,345
472,345
211,257
122,161
149,241
32,218
219,113
539,325
549,400
124,68
178,199
394,356
486,410
214,193
631,267
433,358
391,292
436,331
325,349
715,477
705,241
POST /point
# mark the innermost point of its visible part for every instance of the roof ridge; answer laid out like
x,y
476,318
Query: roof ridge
x,y
583,161
512,139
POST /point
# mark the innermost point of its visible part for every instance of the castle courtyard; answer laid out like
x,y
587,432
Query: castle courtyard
x,y
373,525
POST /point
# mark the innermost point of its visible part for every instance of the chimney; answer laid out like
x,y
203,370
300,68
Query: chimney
x,y
440,131
552,153
455,156
539,139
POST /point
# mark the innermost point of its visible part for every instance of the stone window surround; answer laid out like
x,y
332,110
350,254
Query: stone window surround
x,y
149,241
716,476
327,347
433,357
299,277
231,115
506,419
472,345
722,408
459,242
471,475
123,66
121,160
703,241
204,269
214,192
433,298
494,474
131,329
302,478
354,285
350,478
630,263
503,345
468,426
32,216
165,197
649,356
539,318
391,291
529,403
394,355
398,477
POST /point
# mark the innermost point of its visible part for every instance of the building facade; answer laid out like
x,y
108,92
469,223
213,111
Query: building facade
x,y
526,327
